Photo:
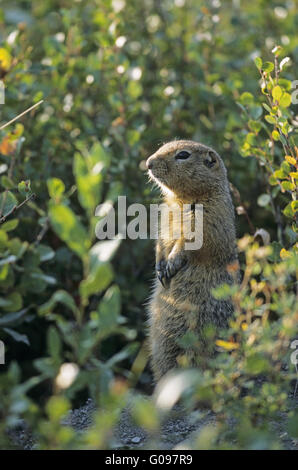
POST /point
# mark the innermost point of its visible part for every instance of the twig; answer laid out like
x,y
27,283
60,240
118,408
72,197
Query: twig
x,y
20,115
17,207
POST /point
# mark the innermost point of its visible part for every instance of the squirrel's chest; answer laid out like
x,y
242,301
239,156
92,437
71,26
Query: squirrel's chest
x,y
190,289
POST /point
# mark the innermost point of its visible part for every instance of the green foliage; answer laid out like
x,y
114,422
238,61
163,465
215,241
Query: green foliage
x,y
117,80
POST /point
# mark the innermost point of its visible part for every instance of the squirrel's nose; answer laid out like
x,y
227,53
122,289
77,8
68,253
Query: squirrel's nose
x,y
149,164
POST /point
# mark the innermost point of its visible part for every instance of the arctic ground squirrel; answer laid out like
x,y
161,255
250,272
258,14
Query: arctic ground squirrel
x,y
190,175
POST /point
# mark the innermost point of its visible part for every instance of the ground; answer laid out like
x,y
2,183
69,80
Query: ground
x,y
177,432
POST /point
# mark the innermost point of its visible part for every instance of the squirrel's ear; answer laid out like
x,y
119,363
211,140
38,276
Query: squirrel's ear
x,y
210,159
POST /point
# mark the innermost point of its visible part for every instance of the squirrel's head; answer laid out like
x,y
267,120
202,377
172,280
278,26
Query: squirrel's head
x,y
188,169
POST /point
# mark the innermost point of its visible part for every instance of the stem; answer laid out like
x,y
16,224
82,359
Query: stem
x,y
42,232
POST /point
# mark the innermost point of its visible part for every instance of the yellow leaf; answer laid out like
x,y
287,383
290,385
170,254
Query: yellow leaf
x,y
228,345
5,59
284,253
7,146
290,160
276,93
205,11
294,174
275,135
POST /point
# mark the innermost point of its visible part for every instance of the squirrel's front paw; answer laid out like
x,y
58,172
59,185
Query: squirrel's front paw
x,y
161,271
174,265
167,269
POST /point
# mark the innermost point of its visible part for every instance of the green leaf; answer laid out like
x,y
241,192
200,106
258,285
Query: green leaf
x,y
288,211
7,202
268,67
69,229
17,248
6,182
133,136
103,251
45,252
96,281
56,188
246,98
265,106
294,206
145,413
10,225
4,276
285,100
109,311
258,62
288,186
256,364
99,158
101,272
285,127
4,302
19,338
34,280
40,276
60,296
8,260
256,111
57,408
10,319
280,174
275,255
255,125
285,166
263,200
24,188
88,170
88,184
3,239
285,84
46,367
273,180
126,352
270,119
275,135
54,343
15,302
251,138
134,89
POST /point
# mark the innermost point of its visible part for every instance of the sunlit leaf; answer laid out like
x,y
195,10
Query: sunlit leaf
x,y
69,229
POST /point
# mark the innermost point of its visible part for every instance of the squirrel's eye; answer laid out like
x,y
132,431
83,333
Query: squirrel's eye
x,y
183,155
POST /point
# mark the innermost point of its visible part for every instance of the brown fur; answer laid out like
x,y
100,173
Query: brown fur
x,y
184,302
